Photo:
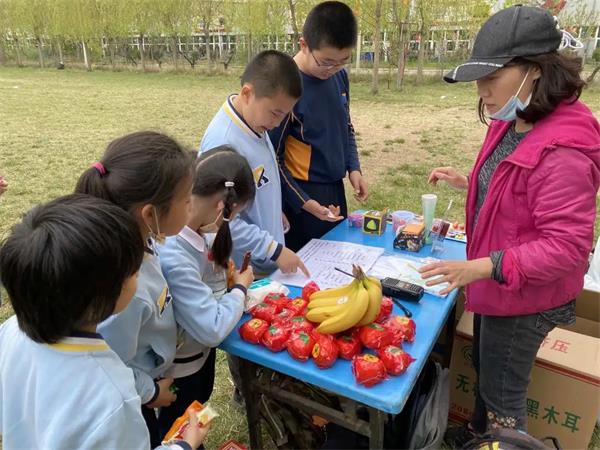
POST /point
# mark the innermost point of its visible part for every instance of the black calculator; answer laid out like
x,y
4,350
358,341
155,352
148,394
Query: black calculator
x,y
401,289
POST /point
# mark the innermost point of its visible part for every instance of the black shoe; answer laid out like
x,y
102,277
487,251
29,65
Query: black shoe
x,y
456,437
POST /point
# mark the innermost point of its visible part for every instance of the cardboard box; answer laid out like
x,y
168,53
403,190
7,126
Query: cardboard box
x,y
564,394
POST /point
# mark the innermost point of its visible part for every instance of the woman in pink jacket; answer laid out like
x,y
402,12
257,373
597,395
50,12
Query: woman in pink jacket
x,y
531,205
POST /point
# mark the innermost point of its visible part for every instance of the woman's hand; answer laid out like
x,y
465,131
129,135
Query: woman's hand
x,y
457,273
450,175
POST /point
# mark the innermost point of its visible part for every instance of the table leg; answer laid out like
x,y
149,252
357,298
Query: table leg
x,y
449,336
251,399
376,423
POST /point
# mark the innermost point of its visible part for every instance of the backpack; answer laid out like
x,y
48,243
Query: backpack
x,y
510,439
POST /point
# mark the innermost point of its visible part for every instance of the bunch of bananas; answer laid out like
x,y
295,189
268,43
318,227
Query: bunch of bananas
x,y
339,309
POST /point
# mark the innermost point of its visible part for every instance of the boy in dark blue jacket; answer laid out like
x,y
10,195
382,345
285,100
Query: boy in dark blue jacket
x,y
315,145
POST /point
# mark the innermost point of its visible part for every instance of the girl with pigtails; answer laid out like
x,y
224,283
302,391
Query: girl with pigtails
x,y
195,265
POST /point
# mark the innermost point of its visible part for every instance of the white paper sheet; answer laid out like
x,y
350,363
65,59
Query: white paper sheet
x,y
321,257
405,269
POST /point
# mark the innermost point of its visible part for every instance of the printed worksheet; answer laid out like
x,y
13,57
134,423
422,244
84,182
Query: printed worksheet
x,y
322,257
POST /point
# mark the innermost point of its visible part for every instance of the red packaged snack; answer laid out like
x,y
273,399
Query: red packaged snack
x,y
300,345
309,289
375,336
275,338
325,351
264,311
283,317
368,369
298,305
204,413
403,328
395,360
280,301
348,345
385,311
232,445
299,323
253,329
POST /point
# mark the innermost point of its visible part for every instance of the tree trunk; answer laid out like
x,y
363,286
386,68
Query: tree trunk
x,y
2,53
358,50
60,52
249,47
403,51
296,37
18,53
206,41
590,79
112,45
421,58
174,52
40,52
376,48
141,47
86,58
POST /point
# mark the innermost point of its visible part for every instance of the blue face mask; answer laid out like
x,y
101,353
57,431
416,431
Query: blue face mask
x,y
508,112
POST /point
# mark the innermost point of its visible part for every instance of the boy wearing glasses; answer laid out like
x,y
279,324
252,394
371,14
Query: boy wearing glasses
x,y
315,144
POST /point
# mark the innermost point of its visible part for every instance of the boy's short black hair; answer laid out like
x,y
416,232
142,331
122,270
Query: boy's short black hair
x,y
330,24
64,265
271,72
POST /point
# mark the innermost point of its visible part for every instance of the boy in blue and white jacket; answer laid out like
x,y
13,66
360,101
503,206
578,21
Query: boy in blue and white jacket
x,y
271,86
71,263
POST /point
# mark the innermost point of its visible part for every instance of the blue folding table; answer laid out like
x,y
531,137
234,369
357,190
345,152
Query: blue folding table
x,y
389,396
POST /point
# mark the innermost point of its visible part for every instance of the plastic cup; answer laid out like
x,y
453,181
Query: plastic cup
x,y
429,201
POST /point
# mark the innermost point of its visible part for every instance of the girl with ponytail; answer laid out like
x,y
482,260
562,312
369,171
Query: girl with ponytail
x,y
149,175
195,265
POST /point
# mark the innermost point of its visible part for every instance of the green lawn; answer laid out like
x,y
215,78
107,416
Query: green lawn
x,y
54,124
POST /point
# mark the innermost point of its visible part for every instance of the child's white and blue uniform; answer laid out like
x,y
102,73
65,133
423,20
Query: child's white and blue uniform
x,y
205,318
259,228
144,334
74,394
205,313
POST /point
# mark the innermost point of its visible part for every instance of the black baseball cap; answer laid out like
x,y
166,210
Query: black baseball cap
x,y
510,33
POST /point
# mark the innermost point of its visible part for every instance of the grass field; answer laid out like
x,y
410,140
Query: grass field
x,y
54,124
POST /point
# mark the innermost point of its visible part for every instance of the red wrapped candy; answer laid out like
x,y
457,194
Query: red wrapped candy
x,y
325,351
309,289
375,336
395,360
264,311
298,305
280,301
300,345
403,328
252,330
275,338
385,311
283,317
299,323
348,345
368,369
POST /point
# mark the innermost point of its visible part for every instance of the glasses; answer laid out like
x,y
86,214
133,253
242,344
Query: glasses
x,y
328,66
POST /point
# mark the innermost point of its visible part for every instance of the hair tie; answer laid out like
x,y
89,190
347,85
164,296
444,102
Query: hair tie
x,y
100,168
226,219
229,184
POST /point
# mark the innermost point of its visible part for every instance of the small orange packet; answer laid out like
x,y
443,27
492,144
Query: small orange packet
x,y
204,413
